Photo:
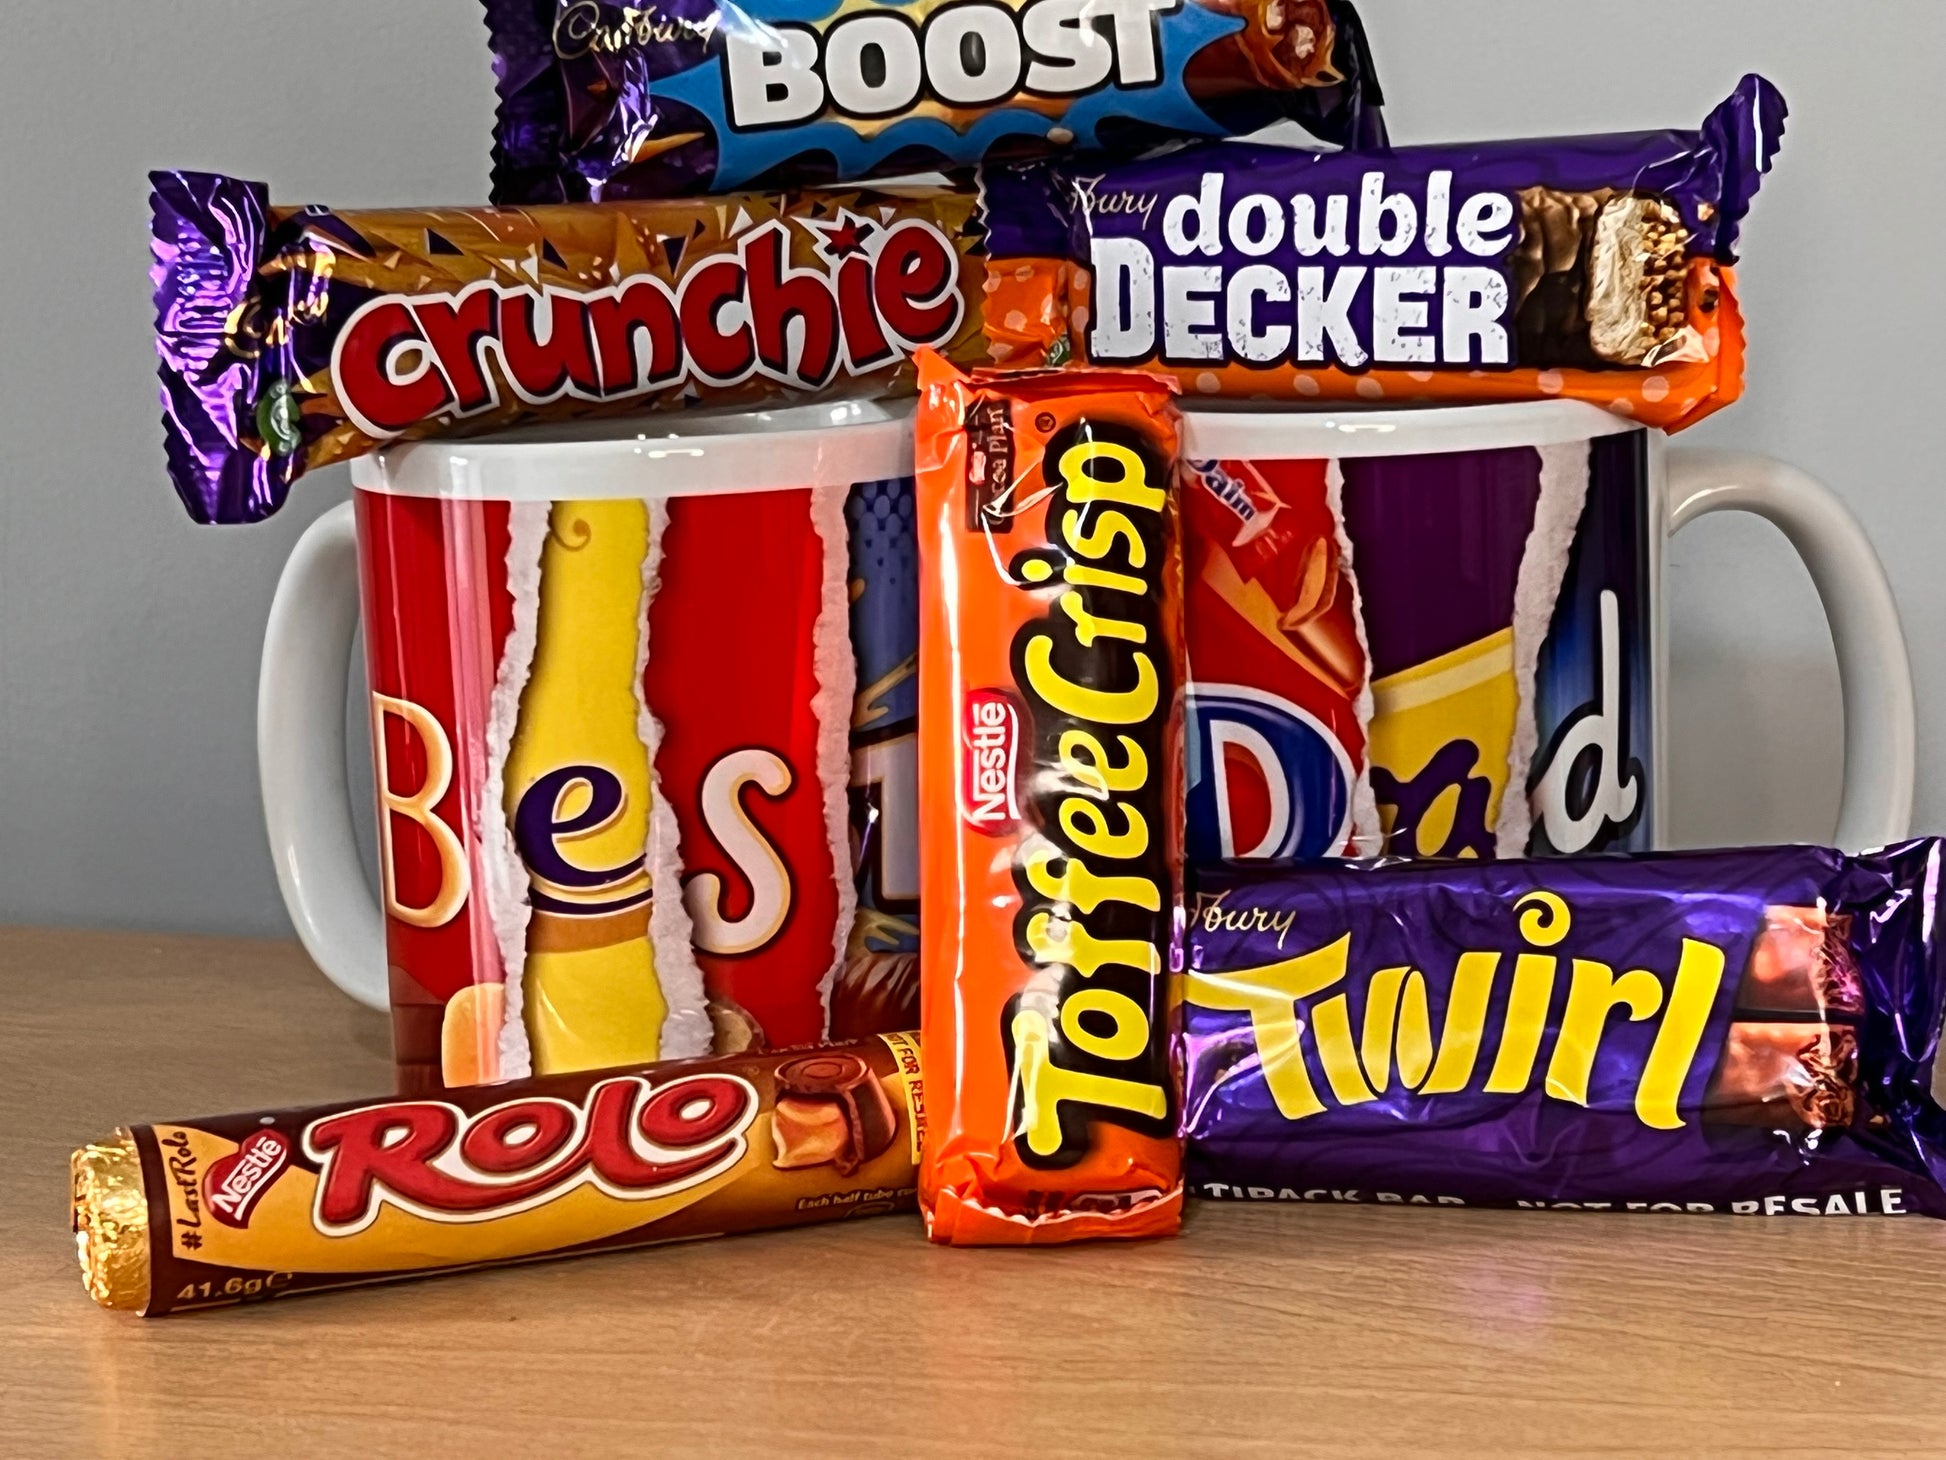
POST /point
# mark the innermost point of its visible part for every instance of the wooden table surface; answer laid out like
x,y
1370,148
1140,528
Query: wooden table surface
x,y
1262,1330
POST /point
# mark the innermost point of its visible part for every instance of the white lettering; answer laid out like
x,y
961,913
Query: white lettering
x,y
773,76
1336,236
1268,232
1474,302
972,54
1207,208
1189,312
893,48
1322,315
1070,55
1399,306
1480,221
1439,212
1259,345
1123,325
1376,208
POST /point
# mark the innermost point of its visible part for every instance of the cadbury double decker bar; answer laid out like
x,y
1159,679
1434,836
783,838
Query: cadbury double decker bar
x,y
203,1213
1051,802
1587,268
293,337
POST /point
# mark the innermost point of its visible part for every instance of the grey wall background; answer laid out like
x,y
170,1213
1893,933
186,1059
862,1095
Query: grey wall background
x,y
129,637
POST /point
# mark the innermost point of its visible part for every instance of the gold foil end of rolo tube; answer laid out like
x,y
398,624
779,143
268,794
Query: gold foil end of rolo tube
x,y
111,1222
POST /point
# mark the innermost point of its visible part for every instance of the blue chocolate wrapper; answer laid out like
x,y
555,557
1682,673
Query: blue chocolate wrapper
x,y
607,101
1748,1032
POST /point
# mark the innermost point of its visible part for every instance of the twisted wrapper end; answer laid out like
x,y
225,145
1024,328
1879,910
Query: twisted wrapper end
x,y
111,1222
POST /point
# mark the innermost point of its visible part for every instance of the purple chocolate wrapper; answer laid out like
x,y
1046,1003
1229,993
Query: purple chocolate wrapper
x,y
1749,1032
606,101
1567,266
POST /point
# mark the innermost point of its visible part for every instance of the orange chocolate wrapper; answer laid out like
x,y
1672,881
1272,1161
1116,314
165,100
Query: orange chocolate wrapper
x,y
1051,802
184,1215
1596,269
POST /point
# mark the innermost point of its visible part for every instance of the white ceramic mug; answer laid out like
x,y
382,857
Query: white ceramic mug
x,y
573,634
1486,735
1656,489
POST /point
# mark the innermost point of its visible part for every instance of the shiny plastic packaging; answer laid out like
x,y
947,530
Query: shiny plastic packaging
x,y
1050,803
1745,1032
1591,268
184,1215
599,100
295,337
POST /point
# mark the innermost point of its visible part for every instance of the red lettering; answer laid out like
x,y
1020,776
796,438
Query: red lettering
x,y
866,347
384,371
389,1145
719,357
643,307
693,1115
542,369
401,361
631,1139
914,285
454,327
780,294
518,1137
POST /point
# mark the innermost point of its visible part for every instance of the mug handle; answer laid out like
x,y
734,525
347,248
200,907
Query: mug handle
x,y
1881,732
301,760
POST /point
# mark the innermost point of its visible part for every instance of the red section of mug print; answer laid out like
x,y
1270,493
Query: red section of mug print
x,y
732,679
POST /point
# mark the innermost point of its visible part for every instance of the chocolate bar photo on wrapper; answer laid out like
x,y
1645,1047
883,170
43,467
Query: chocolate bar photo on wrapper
x,y
1747,1032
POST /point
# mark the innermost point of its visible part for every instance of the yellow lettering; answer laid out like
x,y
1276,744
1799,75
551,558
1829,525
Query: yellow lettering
x,y
1082,951
1103,707
1082,576
1331,1028
1131,775
1396,1018
1045,1086
1129,489
1593,995
1544,918
1089,627
1526,1022
1131,1021
1698,976
1466,1017
1270,995
1085,823
455,879
1081,888
1098,539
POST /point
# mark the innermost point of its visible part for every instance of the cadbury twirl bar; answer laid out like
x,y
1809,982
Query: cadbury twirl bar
x,y
293,337
183,1215
1050,802
1592,268
1747,1032
601,100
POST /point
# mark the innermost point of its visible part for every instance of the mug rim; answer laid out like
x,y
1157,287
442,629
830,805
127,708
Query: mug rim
x,y
688,453
1247,431
844,442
